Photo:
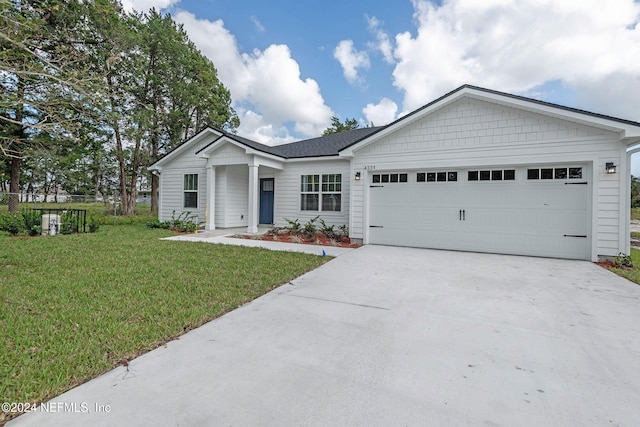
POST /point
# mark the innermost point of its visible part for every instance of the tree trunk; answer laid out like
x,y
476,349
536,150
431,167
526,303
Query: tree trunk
x,y
14,186
96,188
133,189
154,193
122,172
16,161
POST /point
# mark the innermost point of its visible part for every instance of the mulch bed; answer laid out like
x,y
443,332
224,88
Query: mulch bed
x,y
318,239
612,264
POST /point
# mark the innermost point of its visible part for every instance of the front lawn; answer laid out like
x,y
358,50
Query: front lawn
x,y
72,307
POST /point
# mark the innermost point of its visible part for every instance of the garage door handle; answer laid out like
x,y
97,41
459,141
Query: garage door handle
x,y
376,226
376,186
462,214
576,235
575,183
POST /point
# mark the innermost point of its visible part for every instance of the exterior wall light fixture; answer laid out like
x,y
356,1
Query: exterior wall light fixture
x,y
610,167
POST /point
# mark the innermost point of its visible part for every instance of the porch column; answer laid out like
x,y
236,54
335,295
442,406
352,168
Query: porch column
x,y
254,185
211,198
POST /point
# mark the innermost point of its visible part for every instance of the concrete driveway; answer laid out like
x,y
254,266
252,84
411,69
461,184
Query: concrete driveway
x,y
393,336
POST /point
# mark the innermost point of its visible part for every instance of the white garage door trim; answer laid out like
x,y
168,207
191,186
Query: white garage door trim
x,y
538,210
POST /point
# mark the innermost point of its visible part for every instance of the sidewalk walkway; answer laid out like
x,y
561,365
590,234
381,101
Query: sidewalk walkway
x,y
224,237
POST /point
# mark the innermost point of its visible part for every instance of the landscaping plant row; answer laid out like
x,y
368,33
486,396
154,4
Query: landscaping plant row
x,y
310,229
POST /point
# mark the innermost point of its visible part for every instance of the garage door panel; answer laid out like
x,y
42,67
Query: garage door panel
x,y
519,217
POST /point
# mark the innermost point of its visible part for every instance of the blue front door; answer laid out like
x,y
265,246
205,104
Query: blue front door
x,y
266,201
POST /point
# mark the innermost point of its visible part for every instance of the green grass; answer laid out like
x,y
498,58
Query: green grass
x,y
72,307
635,213
631,274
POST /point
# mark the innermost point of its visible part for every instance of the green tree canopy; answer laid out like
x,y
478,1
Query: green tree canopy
x,y
83,72
337,126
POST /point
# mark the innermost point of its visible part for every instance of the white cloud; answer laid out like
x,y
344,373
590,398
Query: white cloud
x,y
254,126
514,46
145,5
383,43
350,59
382,113
268,82
258,25
618,94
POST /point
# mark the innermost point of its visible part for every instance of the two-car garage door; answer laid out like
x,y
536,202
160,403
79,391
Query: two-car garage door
x,y
536,210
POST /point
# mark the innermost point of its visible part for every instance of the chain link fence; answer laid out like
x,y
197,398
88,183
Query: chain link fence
x,y
36,199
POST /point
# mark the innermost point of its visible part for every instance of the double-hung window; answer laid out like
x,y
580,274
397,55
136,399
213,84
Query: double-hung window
x,y
190,188
322,193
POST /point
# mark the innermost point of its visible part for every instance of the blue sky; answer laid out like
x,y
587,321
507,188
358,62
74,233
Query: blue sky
x,y
292,64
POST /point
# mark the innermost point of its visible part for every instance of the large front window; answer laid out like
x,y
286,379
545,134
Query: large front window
x,y
321,192
190,188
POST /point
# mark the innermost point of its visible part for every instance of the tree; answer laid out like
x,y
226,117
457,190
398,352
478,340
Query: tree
x,y
46,87
337,126
73,71
181,91
163,90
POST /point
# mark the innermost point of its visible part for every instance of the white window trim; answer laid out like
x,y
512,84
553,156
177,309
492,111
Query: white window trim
x,y
184,190
320,192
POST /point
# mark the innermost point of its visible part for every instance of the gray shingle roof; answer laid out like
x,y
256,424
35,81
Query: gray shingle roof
x,y
322,146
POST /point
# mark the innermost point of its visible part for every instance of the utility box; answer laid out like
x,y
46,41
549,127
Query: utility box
x,y
50,224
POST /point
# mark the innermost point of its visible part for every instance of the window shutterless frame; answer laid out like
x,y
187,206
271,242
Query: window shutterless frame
x,y
321,192
190,189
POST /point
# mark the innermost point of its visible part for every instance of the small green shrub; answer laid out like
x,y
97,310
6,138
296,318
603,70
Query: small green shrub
x,y
183,222
294,226
156,223
328,230
32,221
11,223
94,223
309,228
68,223
623,261
344,229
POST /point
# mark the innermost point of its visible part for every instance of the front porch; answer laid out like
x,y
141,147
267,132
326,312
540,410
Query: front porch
x,y
240,195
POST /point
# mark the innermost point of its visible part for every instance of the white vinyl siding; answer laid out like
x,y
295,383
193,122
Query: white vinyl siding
x,y
287,191
474,134
229,154
236,202
172,179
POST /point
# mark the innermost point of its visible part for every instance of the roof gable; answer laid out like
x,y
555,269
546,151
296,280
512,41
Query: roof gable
x,y
626,128
198,138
